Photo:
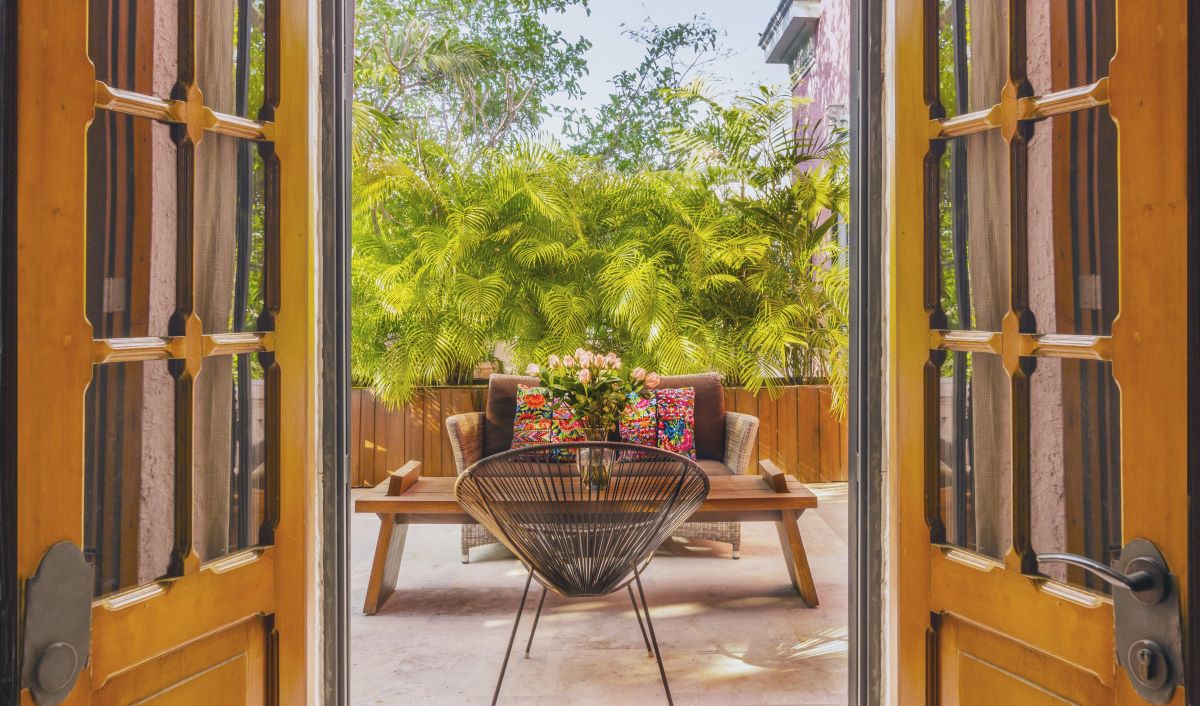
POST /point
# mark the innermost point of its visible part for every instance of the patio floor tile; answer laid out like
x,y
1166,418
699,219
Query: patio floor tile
x,y
732,633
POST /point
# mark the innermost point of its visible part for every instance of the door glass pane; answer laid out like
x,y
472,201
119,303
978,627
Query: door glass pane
x,y
131,226
1073,223
1075,463
229,233
972,54
230,51
973,230
134,44
1068,43
229,450
974,452
129,473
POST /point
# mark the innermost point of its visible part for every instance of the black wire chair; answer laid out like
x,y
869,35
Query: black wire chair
x,y
577,540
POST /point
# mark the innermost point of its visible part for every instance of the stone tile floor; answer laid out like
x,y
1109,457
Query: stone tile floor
x,y
733,633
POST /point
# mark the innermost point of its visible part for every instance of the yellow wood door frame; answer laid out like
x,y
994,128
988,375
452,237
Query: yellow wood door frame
x,y
57,94
1147,93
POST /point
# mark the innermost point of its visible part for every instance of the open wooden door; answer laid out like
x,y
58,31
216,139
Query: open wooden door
x,y
1038,350
165,347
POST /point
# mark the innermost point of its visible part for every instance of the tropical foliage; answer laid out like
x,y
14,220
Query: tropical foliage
x,y
515,251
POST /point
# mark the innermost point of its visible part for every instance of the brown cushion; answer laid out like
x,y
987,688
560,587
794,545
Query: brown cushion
x,y
501,411
715,468
710,411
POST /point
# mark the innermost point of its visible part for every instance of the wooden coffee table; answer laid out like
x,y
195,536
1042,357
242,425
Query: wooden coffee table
x,y
407,498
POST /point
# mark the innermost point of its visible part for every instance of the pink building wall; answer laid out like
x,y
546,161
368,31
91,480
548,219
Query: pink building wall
x,y
827,83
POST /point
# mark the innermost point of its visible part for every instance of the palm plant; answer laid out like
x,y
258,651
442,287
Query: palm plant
x,y
786,308
722,265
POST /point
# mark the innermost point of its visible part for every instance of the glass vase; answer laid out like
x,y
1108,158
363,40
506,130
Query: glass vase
x,y
595,465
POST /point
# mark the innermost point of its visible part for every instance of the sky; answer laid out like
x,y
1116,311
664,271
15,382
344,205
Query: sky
x,y
740,21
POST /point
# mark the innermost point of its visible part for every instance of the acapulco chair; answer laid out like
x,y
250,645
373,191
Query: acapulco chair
x,y
575,540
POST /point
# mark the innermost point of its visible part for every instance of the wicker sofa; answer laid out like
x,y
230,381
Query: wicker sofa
x,y
724,444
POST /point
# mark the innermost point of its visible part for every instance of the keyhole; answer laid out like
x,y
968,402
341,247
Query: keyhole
x,y
1145,664
1148,663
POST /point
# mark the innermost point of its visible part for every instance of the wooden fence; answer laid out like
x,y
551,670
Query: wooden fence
x,y
797,431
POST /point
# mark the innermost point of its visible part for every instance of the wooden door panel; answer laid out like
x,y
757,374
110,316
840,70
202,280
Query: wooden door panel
x,y
1081,211
223,668
222,594
980,667
981,591
231,625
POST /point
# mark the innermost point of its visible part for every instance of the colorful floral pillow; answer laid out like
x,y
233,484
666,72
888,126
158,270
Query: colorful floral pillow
x,y
639,421
540,419
564,427
677,420
533,423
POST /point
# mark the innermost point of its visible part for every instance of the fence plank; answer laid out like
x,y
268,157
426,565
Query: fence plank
x,y
844,449
356,440
432,426
787,436
369,438
397,454
808,431
831,436
768,429
414,430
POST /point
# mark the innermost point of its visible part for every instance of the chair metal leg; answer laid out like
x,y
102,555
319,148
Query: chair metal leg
x,y
536,617
662,672
638,612
513,636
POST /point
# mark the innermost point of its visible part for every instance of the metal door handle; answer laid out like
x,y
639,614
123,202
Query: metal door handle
x,y
1149,637
1146,577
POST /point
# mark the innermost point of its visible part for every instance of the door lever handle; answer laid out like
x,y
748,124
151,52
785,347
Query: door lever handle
x,y
1146,578
1146,616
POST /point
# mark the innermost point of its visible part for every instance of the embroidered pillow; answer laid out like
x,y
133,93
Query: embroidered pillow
x,y
541,419
677,420
533,423
564,428
639,420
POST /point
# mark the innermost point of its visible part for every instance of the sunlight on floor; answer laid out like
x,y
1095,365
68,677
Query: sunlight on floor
x,y
732,632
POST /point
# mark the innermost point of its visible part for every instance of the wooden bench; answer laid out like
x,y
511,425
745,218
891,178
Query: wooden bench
x,y
406,498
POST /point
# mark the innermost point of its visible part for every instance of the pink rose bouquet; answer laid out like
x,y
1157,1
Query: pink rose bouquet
x,y
595,386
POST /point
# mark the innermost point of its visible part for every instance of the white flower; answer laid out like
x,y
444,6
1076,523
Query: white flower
x,y
554,360
532,370
569,361
586,359
584,375
639,373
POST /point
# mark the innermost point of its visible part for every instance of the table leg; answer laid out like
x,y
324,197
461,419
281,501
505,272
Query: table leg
x,y
794,555
385,567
